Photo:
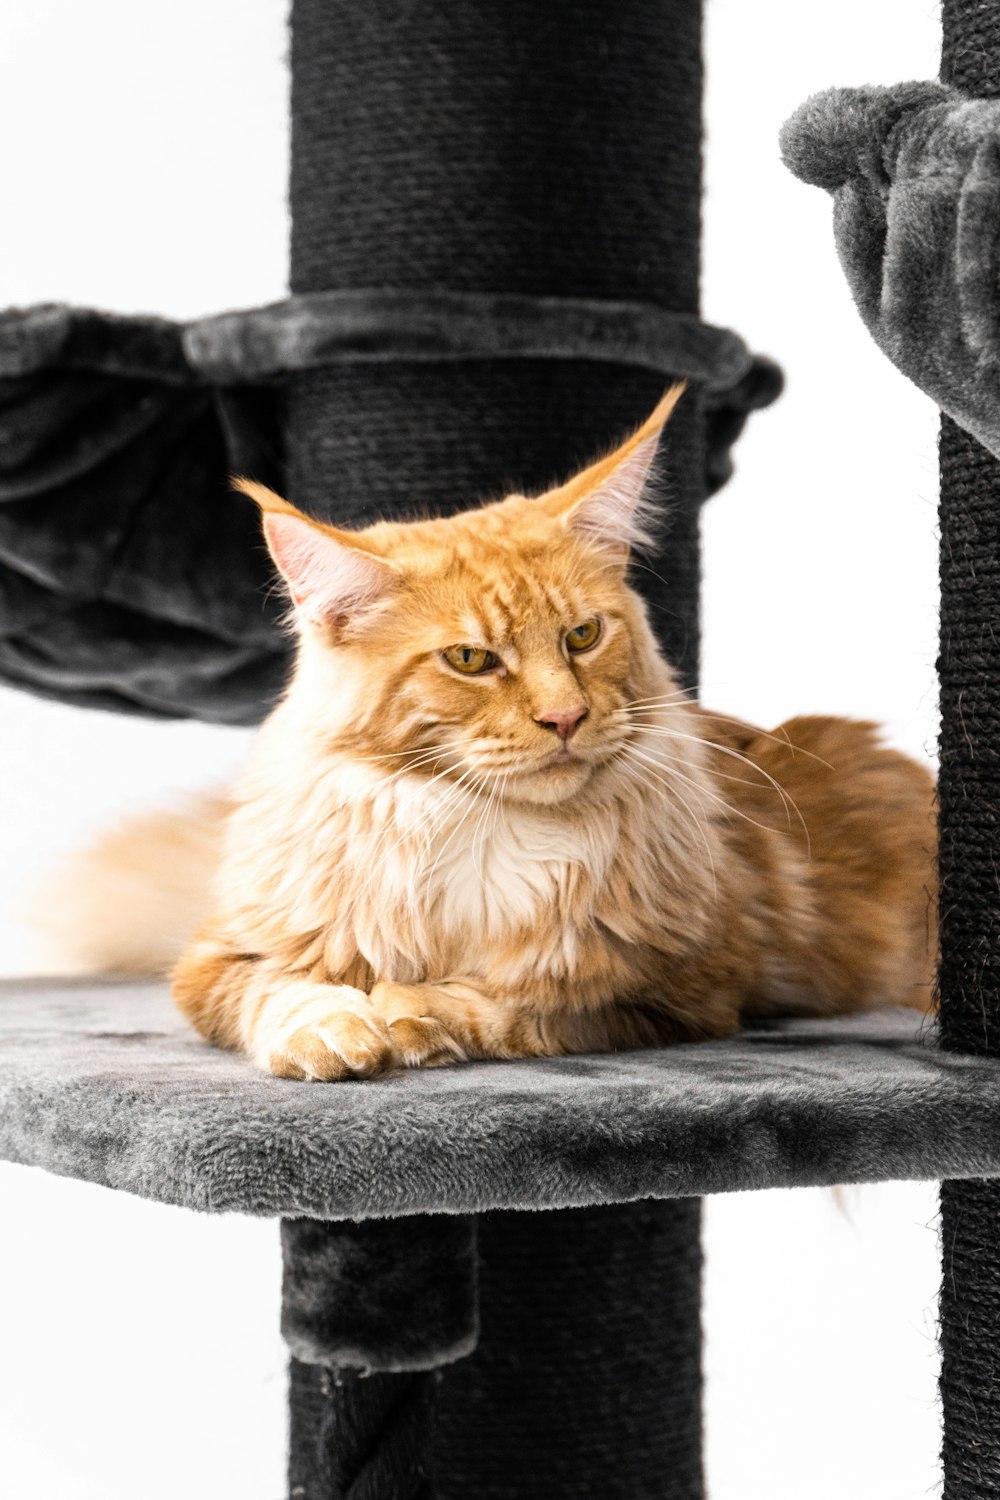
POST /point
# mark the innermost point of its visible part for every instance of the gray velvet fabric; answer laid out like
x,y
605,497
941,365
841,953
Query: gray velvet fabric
x,y
371,325
914,171
389,1294
105,1082
376,325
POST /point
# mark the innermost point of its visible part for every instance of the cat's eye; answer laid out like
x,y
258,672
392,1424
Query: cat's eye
x,y
582,637
470,660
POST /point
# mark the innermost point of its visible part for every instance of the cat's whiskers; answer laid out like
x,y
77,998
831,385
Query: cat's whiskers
x,y
389,783
477,787
492,752
484,829
390,839
422,751
684,697
435,812
645,776
464,798
739,781
665,700
704,790
427,759
782,739
396,755
788,802
627,714
479,850
421,834
722,775
469,780
494,765
433,808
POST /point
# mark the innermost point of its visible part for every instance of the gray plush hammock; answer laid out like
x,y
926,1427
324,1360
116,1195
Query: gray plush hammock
x,y
492,1274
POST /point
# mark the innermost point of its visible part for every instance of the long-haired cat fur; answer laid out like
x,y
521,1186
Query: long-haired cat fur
x,y
485,822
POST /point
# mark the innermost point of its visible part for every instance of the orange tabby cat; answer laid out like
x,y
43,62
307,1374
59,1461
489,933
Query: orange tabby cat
x,y
484,821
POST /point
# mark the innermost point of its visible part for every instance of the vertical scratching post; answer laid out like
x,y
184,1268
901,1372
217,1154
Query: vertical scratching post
x,y
543,150
969,669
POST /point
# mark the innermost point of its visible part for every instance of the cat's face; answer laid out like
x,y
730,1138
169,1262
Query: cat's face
x,y
505,652
499,648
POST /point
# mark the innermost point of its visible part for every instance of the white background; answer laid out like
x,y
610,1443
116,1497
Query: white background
x,y
143,169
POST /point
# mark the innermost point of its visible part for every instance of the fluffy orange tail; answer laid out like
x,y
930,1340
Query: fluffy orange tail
x,y
128,902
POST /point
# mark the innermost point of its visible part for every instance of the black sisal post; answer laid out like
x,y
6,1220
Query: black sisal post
x,y
540,149
969,982
510,147
586,1380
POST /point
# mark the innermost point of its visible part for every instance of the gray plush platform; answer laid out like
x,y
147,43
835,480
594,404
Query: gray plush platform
x,y
103,1081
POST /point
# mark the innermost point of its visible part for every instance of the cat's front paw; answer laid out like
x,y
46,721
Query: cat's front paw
x,y
327,1033
419,1039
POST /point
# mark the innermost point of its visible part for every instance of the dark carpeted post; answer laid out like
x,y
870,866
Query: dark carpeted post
x,y
359,1437
545,150
970,839
370,1312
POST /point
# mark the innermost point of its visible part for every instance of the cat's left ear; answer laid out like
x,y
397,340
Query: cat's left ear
x,y
607,503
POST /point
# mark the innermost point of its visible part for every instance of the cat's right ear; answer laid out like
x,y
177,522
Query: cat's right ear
x,y
332,576
607,504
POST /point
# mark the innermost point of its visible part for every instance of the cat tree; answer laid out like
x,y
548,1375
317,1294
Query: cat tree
x,y
491,1273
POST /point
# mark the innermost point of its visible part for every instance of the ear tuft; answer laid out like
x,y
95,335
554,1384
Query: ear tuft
x,y
268,502
331,575
620,515
608,503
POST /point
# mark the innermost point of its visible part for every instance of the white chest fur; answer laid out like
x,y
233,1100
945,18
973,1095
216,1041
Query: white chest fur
x,y
452,880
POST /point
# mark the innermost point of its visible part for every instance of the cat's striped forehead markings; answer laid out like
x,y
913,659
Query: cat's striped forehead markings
x,y
515,538
496,615
557,603
507,525
483,625
523,608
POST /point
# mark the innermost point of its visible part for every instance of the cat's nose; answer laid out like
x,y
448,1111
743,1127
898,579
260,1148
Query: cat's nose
x,y
565,721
